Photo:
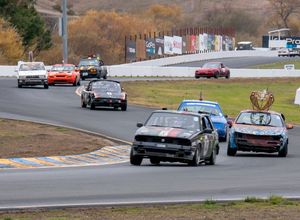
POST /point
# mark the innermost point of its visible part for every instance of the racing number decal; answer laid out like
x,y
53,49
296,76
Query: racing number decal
x,y
205,145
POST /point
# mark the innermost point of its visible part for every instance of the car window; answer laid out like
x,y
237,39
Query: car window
x,y
206,123
260,118
202,107
106,86
174,120
92,62
31,66
62,68
211,65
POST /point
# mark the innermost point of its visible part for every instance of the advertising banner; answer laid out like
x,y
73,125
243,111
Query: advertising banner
x,y
159,46
205,41
168,45
184,45
177,45
150,47
140,49
130,51
197,43
188,44
210,42
193,44
201,43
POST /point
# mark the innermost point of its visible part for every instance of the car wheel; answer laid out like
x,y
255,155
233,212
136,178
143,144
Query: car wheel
x,y
135,160
231,151
82,78
46,86
223,139
197,77
92,106
154,161
19,85
283,151
124,107
78,83
212,158
83,105
216,75
227,76
196,159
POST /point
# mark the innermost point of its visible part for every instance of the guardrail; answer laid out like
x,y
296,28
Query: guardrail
x,y
203,56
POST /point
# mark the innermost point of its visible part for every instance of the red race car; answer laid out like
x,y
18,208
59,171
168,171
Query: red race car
x,y
64,74
213,69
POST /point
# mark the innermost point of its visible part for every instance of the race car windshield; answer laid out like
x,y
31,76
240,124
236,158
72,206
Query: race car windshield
x,y
105,86
173,120
62,68
209,109
260,118
32,66
88,63
211,65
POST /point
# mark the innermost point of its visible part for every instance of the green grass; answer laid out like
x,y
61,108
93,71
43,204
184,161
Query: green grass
x,y
232,95
278,65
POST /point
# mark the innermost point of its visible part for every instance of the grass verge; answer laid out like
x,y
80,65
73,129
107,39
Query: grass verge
x,y
256,209
278,65
233,95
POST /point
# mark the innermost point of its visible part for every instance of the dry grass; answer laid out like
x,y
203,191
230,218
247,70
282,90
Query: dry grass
x,y
26,139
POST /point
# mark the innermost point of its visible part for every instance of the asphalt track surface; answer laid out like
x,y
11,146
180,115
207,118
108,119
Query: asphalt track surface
x,y
231,178
241,62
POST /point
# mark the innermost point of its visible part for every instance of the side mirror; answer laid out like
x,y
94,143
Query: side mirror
x,y
289,126
230,123
122,89
139,124
226,116
207,131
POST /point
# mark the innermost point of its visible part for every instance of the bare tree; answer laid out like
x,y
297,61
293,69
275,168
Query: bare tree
x,y
284,9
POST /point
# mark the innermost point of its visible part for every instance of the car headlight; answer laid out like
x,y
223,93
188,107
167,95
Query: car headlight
x,y
42,76
22,77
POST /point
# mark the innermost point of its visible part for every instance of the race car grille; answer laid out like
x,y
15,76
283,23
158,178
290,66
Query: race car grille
x,y
167,140
32,77
258,137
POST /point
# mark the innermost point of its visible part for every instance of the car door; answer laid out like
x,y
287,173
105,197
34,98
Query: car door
x,y
223,69
86,93
209,139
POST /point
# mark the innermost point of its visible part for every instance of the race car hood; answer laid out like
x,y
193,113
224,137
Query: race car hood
x,y
115,95
258,130
87,67
207,69
32,73
164,132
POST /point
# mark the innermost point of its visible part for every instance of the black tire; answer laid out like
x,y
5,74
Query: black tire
x,y
82,78
196,159
46,86
216,75
19,85
230,151
212,158
105,76
124,107
92,106
154,160
83,105
197,77
223,139
227,76
284,151
135,160
78,83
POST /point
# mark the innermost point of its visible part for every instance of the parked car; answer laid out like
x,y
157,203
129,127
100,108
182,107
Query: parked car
x,y
288,52
175,136
92,67
106,93
64,74
213,69
259,131
32,74
245,45
213,109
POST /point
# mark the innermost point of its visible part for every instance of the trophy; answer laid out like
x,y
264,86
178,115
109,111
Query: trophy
x,y
261,100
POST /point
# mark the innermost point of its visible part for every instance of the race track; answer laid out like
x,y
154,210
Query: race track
x,y
232,177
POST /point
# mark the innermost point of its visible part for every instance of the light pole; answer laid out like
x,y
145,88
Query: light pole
x,y
65,32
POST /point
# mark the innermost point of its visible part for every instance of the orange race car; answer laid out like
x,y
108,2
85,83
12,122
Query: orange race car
x,y
64,74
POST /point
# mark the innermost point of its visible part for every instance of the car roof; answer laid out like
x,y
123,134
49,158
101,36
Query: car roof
x,y
251,110
31,62
214,62
104,80
199,101
179,112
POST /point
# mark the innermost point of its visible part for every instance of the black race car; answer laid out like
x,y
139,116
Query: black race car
x,y
91,67
104,93
175,136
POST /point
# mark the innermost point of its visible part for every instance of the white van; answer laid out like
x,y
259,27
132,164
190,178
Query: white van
x,y
31,74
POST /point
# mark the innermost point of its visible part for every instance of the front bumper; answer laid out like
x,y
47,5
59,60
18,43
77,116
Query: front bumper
x,y
32,82
166,152
204,74
109,102
61,79
88,74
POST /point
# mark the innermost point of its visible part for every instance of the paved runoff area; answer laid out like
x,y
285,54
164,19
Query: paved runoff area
x,y
104,156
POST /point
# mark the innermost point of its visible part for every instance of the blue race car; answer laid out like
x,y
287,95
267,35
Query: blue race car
x,y
213,109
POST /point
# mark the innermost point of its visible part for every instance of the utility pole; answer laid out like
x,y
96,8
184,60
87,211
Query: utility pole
x,y
65,32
